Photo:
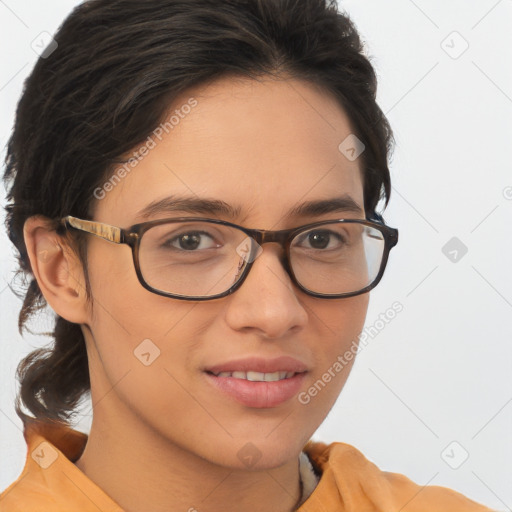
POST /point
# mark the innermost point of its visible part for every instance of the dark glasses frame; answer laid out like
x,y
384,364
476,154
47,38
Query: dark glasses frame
x,y
132,236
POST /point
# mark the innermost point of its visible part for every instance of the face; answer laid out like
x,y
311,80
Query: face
x,y
263,148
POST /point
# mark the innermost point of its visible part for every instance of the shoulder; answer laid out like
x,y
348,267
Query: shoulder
x,y
27,492
349,473
50,481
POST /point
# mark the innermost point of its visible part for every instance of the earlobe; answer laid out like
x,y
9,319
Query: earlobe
x,y
57,269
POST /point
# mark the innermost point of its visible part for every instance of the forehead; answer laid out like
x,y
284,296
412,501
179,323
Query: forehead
x,y
262,146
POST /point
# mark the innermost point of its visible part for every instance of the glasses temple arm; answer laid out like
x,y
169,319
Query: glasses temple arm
x,y
105,231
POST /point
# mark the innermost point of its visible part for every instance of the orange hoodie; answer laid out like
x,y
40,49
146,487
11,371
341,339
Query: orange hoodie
x,y
348,483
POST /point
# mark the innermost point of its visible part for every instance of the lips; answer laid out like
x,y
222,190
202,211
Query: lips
x,y
257,376
256,382
257,364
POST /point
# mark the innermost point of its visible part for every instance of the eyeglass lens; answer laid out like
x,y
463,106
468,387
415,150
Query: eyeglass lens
x,y
203,259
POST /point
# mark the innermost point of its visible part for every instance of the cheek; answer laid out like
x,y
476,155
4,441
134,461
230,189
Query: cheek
x,y
339,322
133,329
121,305
338,325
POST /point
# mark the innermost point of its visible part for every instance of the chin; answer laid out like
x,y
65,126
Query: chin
x,y
256,454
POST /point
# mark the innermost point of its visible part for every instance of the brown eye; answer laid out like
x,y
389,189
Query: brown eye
x,y
321,239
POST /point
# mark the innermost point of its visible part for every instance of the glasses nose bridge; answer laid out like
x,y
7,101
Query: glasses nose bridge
x,y
263,236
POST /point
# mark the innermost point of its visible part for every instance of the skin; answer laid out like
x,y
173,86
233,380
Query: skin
x,y
162,438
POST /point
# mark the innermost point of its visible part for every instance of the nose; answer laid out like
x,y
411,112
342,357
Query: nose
x,y
267,300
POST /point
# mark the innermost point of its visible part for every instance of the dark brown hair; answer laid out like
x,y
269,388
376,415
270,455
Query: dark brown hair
x,y
109,83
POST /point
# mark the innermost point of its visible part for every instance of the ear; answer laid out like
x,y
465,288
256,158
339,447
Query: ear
x,y
57,269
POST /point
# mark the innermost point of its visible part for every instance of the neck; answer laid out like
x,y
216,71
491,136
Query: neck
x,y
141,470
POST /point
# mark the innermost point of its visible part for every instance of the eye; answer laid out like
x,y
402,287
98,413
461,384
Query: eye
x,y
191,241
322,239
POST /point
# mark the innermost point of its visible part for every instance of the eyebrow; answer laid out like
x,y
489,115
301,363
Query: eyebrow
x,y
319,207
207,206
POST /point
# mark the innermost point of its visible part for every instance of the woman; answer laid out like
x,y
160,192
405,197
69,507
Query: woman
x,y
193,191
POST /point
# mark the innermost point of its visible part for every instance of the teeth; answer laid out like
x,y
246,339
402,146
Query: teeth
x,y
258,376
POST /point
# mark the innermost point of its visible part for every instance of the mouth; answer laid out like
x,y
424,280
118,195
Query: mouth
x,y
254,376
258,383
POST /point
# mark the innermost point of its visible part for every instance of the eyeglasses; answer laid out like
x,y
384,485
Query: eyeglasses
x,y
194,258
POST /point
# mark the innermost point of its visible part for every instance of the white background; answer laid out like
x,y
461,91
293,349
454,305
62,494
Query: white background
x,y
441,370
